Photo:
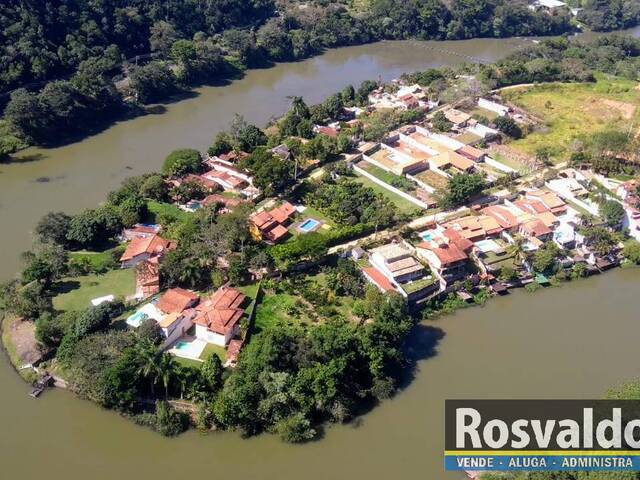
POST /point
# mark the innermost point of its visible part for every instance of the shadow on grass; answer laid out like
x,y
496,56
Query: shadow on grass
x,y
65,286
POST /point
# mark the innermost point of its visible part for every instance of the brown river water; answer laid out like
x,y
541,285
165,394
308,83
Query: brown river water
x,y
569,342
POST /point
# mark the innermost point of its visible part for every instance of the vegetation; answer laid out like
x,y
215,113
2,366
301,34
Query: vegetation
x,y
582,121
461,188
194,42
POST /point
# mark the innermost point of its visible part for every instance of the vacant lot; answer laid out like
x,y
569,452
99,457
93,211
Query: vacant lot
x,y
404,206
76,293
575,111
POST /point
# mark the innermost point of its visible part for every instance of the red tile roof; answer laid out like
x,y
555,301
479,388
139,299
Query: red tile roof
x,y
535,228
222,311
148,277
276,233
503,216
378,278
328,131
226,201
283,213
233,156
233,350
447,254
462,243
154,245
176,300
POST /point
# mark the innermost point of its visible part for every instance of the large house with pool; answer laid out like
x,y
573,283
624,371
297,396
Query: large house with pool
x,y
217,319
271,225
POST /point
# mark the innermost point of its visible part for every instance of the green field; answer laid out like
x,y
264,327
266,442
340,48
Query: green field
x,y
404,206
76,293
157,209
574,111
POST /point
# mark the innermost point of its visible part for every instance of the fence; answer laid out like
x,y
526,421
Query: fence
x,y
395,190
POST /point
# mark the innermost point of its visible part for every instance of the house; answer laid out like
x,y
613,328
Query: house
x,y
357,253
458,118
446,252
140,230
176,300
548,6
450,160
282,151
217,319
536,228
233,156
548,199
378,279
140,249
209,184
271,225
225,180
472,153
474,227
395,261
326,131
397,157
147,278
228,203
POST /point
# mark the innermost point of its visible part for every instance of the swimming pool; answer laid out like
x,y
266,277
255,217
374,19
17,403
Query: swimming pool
x,y
487,246
309,225
426,236
136,319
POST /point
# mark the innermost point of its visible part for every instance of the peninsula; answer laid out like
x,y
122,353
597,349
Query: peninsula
x,y
270,283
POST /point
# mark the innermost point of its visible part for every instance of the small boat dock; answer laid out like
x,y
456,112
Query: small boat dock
x,y
41,385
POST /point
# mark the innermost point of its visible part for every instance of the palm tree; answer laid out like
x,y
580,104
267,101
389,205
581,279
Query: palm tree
x,y
149,364
298,107
517,249
166,371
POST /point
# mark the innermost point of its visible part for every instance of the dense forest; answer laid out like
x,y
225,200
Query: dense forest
x,y
81,48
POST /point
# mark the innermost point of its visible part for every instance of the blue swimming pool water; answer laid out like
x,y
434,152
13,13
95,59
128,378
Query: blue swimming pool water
x,y
181,346
136,319
309,224
426,236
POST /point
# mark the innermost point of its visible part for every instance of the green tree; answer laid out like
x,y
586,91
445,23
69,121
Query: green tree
x,y
181,162
440,122
153,82
631,251
612,212
53,227
508,126
461,188
154,188
211,373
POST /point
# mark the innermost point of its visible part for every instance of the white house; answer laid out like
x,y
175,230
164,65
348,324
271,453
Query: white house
x,y
217,319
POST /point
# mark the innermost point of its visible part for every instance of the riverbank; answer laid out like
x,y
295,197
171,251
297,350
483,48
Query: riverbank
x,y
544,345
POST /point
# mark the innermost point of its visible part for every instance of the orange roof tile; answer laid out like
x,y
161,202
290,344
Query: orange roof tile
x,y
378,278
154,245
447,254
222,311
176,300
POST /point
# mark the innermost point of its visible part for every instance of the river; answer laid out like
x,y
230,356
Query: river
x,y
568,342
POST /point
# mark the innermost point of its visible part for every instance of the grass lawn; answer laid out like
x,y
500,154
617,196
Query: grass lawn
x,y
571,111
157,209
211,349
404,206
509,162
76,293
278,307
97,259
